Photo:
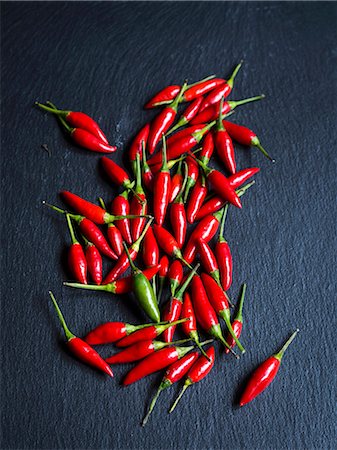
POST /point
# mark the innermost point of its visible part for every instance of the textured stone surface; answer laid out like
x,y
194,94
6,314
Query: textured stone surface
x,y
107,59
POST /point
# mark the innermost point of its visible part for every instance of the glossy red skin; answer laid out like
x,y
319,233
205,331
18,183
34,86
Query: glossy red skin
x,y
106,333
196,199
215,294
145,334
171,314
82,120
88,355
121,266
240,134
202,366
207,148
202,88
215,96
225,150
192,109
165,240
176,184
164,266
192,168
210,113
94,263
147,178
178,222
89,141
240,177
168,93
137,225
95,235
133,353
116,174
205,230
190,326
161,192
225,263
77,263
221,186
115,238
237,328
180,368
260,379
180,146
136,145
184,132
89,210
176,272
207,257
150,249
152,363
203,310
124,285
120,206
159,126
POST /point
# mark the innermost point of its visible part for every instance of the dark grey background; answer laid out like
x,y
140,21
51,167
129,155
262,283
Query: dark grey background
x,y
107,59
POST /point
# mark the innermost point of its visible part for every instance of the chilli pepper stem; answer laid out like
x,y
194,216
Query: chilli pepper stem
x,y
71,229
280,354
236,103
180,193
242,298
222,224
101,202
256,143
61,118
164,167
132,265
67,332
220,125
230,81
187,384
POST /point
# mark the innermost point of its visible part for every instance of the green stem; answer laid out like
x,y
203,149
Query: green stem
x,y
222,225
188,383
256,143
238,317
176,101
135,246
61,119
226,317
234,104
102,203
134,269
280,354
195,337
164,167
139,188
230,81
71,230
198,135
182,289
111,287
178,198
220,118
210,77
153,403
67,332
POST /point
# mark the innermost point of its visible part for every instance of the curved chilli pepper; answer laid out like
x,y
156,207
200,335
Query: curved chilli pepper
x,y
197,197
200,369
208,260
173,374
161,190
123,262
166,94
164,266
78,120
163,121
176,183
76,258
147,173
224,256
168,243
136,146
202,88
237,322
211,113
205,230
173,307
190,112
224,144
89,230
218,300
90,142
79,348
94,262
207,149
138,205
122,286
111,332
245,136
146,334
116,174
139,351
120,206
221,91
185,132
150,249
143,291
175,275
115,238
178,214
157,361
205,313
264,374
192,175
190,326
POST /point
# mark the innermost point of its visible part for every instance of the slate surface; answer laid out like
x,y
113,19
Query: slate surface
x,y
107,59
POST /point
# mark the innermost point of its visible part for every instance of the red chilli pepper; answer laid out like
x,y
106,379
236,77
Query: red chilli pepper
x,y
76,258
192,175
205,313
245,136
185,132
121,207
175,275
146,334
150,249
138,205
200,369
163,121
237,322
147,173
178,214
221,91
165,95
79,348
164,266
198,195
224,256
176,183
117,175
224,144
161,190
202,88
136,146
168,243
115,238
94,261
190,112
208,260
207,149
264,374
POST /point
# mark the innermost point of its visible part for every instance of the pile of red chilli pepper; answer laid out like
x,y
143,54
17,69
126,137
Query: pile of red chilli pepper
x,y
146,229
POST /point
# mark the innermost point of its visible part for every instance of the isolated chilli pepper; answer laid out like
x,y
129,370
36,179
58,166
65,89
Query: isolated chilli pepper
x,y
245,136
178,214
168,243
192,175
77,120
173,307
111,332
79,348
218,300
136,146
204,312
264,374
176,183
94,261
138,205
237,322
196,199
187,115
164,266
224,144
175,276
147,173
161,189
224,256
163,121
76,258
122,286
143,291
120,206
207,149
200,369
221,91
